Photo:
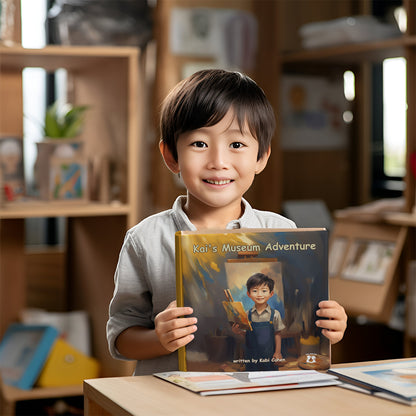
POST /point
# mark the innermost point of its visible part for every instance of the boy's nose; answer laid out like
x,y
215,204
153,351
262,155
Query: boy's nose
x,y
217,159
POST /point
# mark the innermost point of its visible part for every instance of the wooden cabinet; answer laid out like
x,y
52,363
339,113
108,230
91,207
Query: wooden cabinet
x,y
110,81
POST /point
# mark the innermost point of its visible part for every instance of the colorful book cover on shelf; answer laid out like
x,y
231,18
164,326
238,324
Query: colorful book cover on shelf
x,y
24,350
255,293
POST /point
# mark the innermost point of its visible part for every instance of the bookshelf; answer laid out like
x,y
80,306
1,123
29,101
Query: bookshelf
x,y
332,62
111,81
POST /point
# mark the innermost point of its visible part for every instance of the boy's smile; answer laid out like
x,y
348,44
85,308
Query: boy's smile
x,y
217,164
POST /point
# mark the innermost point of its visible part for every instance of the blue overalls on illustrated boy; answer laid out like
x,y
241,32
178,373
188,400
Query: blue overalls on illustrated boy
x,y
260,345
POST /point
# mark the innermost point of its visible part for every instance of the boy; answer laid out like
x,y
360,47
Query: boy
x,y
216,131
264,342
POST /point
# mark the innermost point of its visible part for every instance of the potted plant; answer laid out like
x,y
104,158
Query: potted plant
x,y
64,122
61,166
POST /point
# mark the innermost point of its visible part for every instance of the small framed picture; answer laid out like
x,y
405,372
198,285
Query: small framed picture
x,y
23,352
369,261
363,265
11,167
67,180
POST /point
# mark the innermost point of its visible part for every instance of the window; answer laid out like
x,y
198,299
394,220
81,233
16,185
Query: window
x,y
394,117
389,114
389,128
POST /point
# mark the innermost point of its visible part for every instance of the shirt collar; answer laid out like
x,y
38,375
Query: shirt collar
x,y
268,310
183,223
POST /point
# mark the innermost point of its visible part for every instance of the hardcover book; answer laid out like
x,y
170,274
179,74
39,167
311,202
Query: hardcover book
x,y
255,293
389,380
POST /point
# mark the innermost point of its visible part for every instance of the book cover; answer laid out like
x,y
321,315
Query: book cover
x,y
24,350
216,383
392,380
242,329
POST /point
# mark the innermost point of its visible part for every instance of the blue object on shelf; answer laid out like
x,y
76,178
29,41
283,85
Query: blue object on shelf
x,y
23,353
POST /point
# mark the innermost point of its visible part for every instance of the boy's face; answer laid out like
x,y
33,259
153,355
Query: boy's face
x,y
260,294
218,165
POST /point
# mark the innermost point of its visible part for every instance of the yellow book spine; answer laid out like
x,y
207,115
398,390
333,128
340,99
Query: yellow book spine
x,y
179,292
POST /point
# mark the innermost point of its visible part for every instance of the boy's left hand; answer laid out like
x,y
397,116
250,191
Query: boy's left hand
x,y
333,327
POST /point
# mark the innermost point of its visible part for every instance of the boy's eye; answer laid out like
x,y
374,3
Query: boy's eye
x,y
237,145
199,143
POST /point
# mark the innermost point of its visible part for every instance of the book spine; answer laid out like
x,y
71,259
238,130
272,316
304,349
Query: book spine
x,y
179,292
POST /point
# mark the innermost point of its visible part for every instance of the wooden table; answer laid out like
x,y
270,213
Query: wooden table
x,y
147,395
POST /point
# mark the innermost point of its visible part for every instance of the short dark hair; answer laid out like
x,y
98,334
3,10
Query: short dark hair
x,y
204,98
259,279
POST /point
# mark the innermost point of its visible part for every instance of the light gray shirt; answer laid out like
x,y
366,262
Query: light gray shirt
x,y
145,274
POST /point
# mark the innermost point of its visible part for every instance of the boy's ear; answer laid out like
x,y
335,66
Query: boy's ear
x,y
262,162
170,161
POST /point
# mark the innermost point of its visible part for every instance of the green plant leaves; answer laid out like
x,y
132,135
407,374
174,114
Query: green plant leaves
x,y
64,122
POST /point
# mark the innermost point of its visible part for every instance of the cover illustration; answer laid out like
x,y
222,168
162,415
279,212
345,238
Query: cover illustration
x,y
255,293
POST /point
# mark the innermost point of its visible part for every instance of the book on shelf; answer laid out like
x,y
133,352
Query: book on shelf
x,y
24,350
288,268
218,383
392,380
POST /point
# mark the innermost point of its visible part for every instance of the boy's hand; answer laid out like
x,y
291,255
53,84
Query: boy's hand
x,y
172,329
334,326
235,328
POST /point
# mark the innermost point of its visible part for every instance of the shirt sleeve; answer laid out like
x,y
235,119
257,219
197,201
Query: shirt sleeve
x,y
278,322
131,304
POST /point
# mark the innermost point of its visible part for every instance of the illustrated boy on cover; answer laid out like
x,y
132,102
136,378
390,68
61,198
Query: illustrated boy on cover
x,y
263,343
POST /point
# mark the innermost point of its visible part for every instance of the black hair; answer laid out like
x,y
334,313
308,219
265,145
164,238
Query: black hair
x,y
259,279
205,97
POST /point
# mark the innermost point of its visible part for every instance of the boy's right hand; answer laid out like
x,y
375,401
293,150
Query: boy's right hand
x,y
172,329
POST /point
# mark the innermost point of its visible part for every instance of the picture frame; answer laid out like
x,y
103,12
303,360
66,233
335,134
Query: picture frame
x,y
12,168
61,171
363,259
311,113
368,260
24,350
67,180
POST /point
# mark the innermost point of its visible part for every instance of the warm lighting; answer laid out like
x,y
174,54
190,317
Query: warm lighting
x,y
349,85
394,116
401,18
347,116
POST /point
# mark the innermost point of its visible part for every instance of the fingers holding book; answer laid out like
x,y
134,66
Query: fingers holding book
x,y
334,320
174,328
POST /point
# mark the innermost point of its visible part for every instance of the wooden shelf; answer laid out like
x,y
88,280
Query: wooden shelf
x,y
14,394
408,220
11,395
111,80
61,209
108,79
55,57
351,53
